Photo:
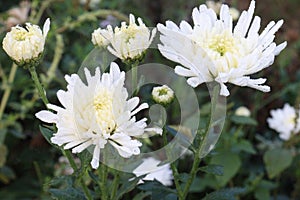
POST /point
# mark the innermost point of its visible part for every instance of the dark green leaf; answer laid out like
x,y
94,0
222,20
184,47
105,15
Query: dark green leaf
x,y
47,133
127,187
159,191
67,194
277,160
213,169
243,120
244,145
224,194
231,163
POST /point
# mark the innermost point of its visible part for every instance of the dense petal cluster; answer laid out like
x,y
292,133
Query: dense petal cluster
x,y
24,44
97,113
163,173
212,50
285,121
127,42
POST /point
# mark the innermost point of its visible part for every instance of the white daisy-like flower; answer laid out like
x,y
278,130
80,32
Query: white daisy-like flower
x,y
284,121
213,50
97,113
129,42
98,39
25,44
242,111
162,94
149,166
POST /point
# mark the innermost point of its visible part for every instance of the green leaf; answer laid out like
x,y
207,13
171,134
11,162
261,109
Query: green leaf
x,y
127,187
231,163
262,191
217,170
277,160
244,145
141,195
224,194
67,194
243,120
47,133
159,191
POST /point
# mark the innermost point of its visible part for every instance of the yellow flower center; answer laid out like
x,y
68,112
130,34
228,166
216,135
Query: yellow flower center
x,y
103,105
21,35
222,43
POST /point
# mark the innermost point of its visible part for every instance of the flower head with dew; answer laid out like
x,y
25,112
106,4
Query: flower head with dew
x,y
129,42
26,44
162,94
149,166
285,121
214,50
97,113
242,111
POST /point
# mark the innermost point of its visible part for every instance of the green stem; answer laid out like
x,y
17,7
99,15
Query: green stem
x,y
102,170
92,16
38,84
70,158
202,145
134,79
8,89
192,173
173,167
59,49
115,185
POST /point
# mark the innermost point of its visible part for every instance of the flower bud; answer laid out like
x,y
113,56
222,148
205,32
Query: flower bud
x,y
25,45
162,95
243,111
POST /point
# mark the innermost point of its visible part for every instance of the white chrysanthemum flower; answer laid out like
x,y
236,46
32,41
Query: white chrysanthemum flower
x,y
162,94
97,113
98,39
242,111
215,51
163,173
284,121
24,44
130,41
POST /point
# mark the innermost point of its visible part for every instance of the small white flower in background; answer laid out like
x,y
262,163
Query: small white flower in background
x,y
96,114
130,41
63,166
162,174
26,44
284,121
242,111
216,7
235,13
213,50
162,94
98,39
